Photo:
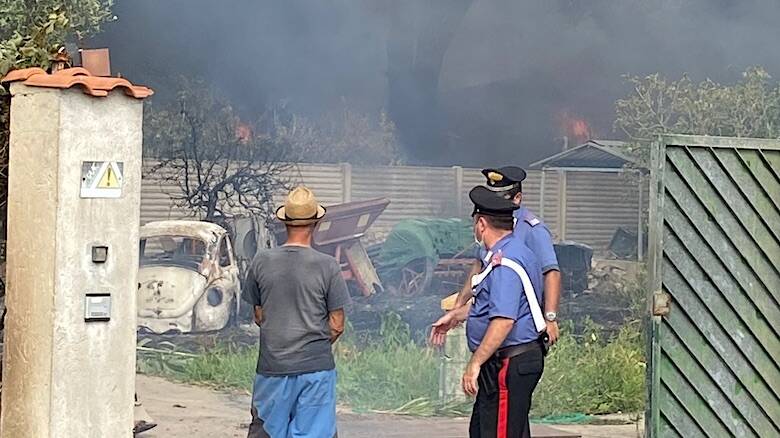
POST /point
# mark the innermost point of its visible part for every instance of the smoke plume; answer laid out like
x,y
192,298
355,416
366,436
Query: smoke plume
x,y
467,82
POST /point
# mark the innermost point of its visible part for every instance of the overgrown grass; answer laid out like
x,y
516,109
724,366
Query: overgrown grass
x,y
634,294
387,373
590,375
224,367
391,374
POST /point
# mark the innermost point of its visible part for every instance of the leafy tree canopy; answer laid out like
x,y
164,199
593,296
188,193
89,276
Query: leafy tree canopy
x,y
750,107
31,32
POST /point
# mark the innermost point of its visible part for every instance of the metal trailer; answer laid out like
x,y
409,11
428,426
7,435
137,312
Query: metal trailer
x,y
338,234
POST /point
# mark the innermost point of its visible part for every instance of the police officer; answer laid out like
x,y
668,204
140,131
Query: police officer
x,y
507,183
504,323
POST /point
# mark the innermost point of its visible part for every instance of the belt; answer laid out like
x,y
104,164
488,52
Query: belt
x,y
516,350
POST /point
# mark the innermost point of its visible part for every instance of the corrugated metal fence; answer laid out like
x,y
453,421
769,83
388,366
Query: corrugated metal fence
x,y
597,204
593,207
715,267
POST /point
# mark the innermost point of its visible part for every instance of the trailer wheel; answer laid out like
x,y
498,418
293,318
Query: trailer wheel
x,y
414,278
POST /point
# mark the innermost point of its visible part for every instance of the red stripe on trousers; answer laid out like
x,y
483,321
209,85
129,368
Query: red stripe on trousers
x,y
503,400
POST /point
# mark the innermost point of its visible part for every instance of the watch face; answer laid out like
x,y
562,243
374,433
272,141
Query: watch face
x,y
551,316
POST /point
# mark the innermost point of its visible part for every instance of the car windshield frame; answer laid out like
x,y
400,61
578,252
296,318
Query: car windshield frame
x,y
175,259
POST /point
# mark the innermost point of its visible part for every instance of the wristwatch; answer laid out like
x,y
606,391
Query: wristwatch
x,y
551,316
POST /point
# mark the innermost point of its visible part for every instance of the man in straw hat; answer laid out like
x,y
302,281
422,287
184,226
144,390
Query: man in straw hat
x,y
298,296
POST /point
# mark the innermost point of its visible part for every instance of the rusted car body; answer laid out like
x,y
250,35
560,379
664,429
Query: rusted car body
x,y
188,278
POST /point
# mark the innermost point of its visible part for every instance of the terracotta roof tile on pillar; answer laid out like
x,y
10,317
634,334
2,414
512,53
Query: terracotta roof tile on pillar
x,y
93,85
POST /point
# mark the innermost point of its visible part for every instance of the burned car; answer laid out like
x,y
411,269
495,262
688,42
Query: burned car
x,y
188,279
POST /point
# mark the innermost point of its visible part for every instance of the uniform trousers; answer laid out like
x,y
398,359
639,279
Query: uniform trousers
x,y
504,396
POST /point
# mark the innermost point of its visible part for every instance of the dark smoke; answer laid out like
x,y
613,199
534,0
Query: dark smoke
x,y
459,77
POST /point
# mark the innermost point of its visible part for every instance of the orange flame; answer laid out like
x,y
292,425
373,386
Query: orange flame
x,y
574,127
243,132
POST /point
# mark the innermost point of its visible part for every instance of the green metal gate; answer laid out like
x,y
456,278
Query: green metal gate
x,y
715,273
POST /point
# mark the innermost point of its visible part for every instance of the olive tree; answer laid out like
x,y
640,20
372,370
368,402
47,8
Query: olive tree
x,y
31,32
750,107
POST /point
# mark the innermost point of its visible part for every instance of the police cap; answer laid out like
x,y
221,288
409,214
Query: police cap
x,y
504,178
488,203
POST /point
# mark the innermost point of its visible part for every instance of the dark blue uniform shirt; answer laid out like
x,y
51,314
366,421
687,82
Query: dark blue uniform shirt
x,y
537,237
501,294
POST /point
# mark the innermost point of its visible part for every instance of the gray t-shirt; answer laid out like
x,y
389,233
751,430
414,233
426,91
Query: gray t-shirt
x,y
296,287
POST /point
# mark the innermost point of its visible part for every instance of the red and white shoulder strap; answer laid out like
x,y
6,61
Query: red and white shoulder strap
x,y
528,287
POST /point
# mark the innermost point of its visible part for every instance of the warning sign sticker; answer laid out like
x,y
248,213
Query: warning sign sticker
x,y
101,179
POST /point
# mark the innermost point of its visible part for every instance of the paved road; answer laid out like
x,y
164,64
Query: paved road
x,y
184,411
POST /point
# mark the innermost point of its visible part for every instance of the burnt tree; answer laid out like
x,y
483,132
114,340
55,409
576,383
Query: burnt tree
x,y
217,162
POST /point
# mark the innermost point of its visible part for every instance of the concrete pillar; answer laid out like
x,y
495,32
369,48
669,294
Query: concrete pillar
x,y
66,376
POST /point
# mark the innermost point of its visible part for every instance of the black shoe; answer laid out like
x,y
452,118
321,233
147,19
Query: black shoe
x,y
143,426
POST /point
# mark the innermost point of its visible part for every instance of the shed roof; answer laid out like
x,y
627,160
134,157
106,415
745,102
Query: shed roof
x,y
93,85
593,154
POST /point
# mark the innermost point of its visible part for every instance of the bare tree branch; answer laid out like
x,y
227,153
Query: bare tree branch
x,y
218,172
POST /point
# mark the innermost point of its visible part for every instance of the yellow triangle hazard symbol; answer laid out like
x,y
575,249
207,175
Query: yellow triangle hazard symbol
x,y
109,180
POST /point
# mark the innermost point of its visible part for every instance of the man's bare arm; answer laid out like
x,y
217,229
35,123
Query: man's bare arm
x,y
336,320
258,315
552,297
446,323
466,293
552,291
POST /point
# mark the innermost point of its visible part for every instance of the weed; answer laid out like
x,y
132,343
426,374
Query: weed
x,y
391,373
592,375
634,295
225,367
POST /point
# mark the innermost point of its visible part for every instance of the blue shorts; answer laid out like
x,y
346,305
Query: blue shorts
x,y
300,406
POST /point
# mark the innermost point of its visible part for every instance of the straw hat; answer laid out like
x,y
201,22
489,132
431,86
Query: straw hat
x,y
300,208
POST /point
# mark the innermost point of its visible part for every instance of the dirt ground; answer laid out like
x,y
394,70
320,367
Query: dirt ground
x,y
184,411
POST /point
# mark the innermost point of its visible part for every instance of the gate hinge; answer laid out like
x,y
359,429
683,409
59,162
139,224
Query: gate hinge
x,y
661,303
